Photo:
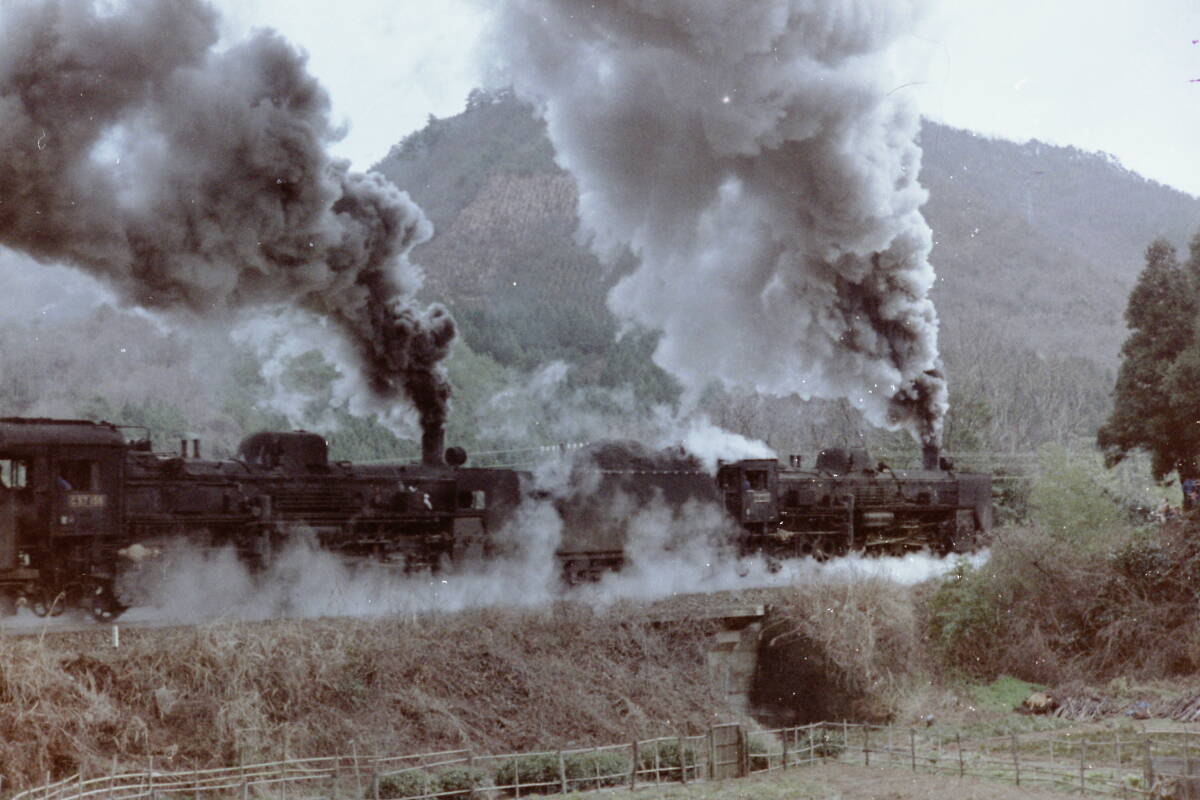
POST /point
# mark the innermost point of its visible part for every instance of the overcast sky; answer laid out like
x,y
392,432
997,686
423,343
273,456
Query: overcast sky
x,y
1097,74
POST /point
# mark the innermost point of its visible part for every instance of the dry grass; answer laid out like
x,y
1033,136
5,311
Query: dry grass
x,y
224,694
842,648
1060,610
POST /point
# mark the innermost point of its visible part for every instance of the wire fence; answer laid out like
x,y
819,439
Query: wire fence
x,y
1093,763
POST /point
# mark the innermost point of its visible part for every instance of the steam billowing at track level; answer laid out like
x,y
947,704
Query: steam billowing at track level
x,y
88,519
759,164
197,181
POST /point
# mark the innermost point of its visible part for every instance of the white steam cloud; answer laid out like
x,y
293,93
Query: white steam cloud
x,y
756,159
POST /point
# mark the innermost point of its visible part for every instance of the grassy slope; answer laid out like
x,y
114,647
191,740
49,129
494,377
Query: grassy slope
x,y
828,781
492,680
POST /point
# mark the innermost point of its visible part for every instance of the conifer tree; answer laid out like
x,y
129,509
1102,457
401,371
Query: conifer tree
x,y
1156,401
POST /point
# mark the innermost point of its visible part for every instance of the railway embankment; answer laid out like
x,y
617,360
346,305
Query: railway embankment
x,y
1080,612
221,694
494,680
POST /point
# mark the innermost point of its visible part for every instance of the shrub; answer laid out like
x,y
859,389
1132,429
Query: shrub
x,y
668,760
587,770
963,620
583,768
538,768
1068,500
461,781
821,743
412,783
1048,609
757,749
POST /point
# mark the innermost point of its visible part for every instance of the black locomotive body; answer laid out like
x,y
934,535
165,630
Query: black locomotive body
x,y
844,503
80,506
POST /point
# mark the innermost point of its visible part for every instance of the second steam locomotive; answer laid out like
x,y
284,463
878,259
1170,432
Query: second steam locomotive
x,y
80,504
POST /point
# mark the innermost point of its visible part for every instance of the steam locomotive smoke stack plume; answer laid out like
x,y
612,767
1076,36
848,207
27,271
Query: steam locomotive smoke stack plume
x,y
198,181
755,159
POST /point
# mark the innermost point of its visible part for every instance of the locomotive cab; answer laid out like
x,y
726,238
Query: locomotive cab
x,y
59,509
750,488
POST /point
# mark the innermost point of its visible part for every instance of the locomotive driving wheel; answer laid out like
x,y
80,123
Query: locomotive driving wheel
x,y
103,603
48,604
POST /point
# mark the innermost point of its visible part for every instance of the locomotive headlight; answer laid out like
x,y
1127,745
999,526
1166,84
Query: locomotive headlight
x,y
66,519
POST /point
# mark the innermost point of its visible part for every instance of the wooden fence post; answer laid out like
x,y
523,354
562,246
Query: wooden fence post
x,y
562,772
812,745
1016,760
958,746
712,754
1082,764
784,765
1149,766
912,748
358,792
683,765
866,745
633,765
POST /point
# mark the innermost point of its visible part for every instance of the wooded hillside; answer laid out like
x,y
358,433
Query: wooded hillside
x,y
1036,248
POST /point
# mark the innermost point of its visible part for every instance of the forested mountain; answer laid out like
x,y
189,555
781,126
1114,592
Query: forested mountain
x,y
1043,242
1036,248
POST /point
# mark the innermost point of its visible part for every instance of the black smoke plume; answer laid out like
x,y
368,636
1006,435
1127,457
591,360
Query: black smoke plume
x,y
759,160
198,181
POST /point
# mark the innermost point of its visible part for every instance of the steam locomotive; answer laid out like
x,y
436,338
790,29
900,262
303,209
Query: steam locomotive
x,y
80,503
842,503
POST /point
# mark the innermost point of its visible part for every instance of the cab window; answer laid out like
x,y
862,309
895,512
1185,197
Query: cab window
x,y
78,475
14,473
756,480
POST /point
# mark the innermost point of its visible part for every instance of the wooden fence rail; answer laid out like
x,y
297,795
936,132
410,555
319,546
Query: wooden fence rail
x,y
1123,764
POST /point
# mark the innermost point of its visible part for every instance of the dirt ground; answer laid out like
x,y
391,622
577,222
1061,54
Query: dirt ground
x,y
850,782
845,782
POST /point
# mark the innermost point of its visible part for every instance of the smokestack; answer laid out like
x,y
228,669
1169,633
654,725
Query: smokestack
x,y
929,456
433,441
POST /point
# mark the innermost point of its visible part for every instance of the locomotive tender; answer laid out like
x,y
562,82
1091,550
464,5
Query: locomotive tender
x,y
80,505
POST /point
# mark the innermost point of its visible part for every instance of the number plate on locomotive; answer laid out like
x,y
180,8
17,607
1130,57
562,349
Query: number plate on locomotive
x,y
81,500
